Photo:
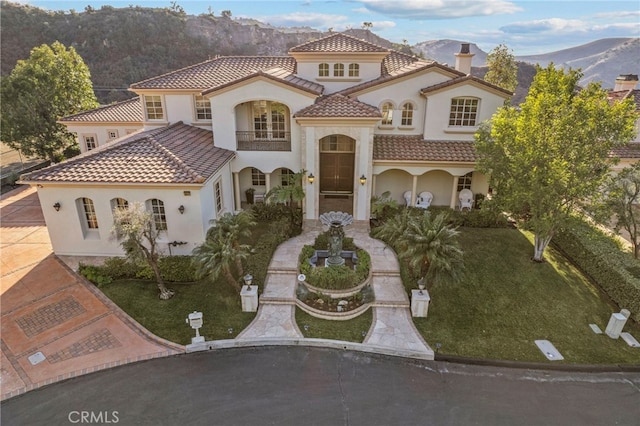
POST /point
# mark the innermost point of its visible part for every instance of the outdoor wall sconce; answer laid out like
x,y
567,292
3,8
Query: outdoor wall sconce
x,y
363,180
311,178
57,206
247,280
181,209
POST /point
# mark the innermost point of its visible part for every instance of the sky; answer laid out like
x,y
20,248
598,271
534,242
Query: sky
x,y
527,27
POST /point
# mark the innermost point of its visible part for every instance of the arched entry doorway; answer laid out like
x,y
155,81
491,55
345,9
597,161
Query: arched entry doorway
x,y
337,159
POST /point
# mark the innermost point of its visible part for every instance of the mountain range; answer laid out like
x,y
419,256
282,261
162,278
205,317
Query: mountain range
x,y
125,45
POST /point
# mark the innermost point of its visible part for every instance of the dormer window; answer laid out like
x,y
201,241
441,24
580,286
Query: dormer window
x,y
323,70
354,70
338,70
464,112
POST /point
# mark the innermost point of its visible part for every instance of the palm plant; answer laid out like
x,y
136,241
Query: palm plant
x,y
222,251
292,193
429,245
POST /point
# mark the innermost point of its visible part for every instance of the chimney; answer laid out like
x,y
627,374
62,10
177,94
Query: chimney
x,y
626,82
463,59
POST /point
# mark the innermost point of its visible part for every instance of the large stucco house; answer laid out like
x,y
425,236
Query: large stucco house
x,y
360,118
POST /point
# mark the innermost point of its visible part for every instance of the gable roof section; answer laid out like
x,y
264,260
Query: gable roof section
x,y
276,74
216,72
624,94
338,106
338,43
176,154
414,148
396,61
462,80
129,111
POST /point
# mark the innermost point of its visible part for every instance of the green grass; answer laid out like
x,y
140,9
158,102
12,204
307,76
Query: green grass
x,y
219,303
506,301
349,331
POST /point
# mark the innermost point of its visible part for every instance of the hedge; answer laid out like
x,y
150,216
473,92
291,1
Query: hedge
x,y
599,256
172,268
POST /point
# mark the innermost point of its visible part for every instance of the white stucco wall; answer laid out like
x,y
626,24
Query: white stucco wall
x,y
309,71
101,132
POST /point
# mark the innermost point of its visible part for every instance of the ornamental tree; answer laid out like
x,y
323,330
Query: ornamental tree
x,y
553,152
503,70
52,83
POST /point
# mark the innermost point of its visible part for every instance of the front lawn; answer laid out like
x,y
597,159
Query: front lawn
x,y
506,301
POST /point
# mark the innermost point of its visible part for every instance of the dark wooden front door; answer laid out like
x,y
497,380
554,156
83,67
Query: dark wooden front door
x,y
336,172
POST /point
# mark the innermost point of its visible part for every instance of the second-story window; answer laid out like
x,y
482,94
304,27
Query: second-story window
x,y
90,142
407,114
338,70
463,112
269,120
153,107
387,114
203,108
354,70
323,70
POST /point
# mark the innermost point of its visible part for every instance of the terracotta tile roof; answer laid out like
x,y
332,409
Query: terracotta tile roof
x,y
276,74
414,148
631,150
624,94
396,61
178,153
216,72
461,80
129,111
339,106
338,43
411,68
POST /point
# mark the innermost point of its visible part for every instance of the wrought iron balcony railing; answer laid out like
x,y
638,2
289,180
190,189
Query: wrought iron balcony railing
x,y
263,140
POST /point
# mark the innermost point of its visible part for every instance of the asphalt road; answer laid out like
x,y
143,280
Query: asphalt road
x,y
316,386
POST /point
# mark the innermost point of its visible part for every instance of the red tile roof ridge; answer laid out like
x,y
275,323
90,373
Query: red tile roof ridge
x,y
304,46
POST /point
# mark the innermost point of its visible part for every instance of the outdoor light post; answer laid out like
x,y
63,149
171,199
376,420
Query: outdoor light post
x,y
249,295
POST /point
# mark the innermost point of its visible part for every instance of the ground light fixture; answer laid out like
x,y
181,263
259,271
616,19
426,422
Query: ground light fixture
x,y
57,206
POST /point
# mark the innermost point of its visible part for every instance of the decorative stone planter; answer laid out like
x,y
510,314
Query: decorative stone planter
x,y
336,316
338,294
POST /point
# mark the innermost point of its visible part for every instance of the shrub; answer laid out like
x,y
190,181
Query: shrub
x,y
599,257
120,268
95,274
177,269
322,242
333,278
258,263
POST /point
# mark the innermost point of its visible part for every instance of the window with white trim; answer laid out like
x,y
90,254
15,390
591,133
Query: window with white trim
x,y
112,134
354,70
153,107
407,114
387,114
217,192
323,70
158,213
463,112
285,176
90,142
464,182
338,70
203,107
91,220
269,119
257,177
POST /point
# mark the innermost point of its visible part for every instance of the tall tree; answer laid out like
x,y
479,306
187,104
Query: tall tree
x,y
135,229
52,83
428,244
619,202
503,70
552,152
222,251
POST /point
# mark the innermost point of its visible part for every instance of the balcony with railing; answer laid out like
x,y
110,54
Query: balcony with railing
x,y
263,140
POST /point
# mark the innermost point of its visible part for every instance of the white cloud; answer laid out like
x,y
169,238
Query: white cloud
x,y
381,25
631,14
440,9
554,25
299,19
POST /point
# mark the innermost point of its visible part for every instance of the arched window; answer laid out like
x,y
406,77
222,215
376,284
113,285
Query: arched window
x,y
354,70
387,114
464,182
407,114
338,70
89,211
119,203
159,216
323,70
464,112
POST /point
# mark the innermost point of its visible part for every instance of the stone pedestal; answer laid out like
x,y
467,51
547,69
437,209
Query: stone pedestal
x,y
249,297
419,303
616,324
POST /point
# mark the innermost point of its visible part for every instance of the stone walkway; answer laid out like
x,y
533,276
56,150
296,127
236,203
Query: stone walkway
x,y
392,330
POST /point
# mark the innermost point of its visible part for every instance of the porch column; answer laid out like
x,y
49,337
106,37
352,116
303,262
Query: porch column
x,y
454,193
267,185
236,191
414,188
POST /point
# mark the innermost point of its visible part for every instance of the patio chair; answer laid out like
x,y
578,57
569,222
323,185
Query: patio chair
x,y
466,199
407,197
424,200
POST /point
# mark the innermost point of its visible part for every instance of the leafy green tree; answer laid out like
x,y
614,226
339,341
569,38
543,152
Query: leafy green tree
x,y
222,251
52,83
135,229
552,152
503,70
292,193
619,201
429,245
